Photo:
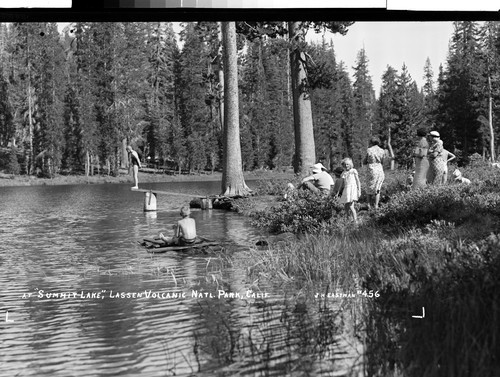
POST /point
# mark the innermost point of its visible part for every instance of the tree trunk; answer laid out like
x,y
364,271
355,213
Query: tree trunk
x,y
233,182
389,146
87,163
490,121
305,155
221,83
31,167
124,154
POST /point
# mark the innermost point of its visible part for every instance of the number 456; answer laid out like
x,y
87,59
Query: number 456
x,y
371,294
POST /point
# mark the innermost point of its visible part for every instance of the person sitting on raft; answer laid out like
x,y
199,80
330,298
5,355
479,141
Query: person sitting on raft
x,y
319,182
184,230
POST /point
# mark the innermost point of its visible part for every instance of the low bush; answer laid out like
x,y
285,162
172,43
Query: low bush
x,y
454,203
303,211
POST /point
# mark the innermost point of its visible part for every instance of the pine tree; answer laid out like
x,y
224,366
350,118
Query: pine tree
x,y
364,106
195,114
48,74
7,129
160,99
86,132
325,98
278,103
254,105
345,106
460,128
409,118
430,97
489,35
389,105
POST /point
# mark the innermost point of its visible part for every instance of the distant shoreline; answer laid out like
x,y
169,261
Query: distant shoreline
x,y
9,180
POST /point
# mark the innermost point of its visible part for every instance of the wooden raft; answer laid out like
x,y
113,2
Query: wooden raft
x,y
155,245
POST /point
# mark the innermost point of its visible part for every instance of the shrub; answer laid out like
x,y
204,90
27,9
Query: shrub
x,y
454,203
303,211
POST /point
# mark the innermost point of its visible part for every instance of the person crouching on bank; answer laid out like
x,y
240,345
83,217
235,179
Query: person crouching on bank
x,y
319,182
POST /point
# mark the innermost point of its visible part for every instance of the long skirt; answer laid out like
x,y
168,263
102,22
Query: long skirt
x,y
421,169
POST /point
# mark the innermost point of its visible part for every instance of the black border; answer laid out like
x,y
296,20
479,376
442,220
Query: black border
x,y
96,12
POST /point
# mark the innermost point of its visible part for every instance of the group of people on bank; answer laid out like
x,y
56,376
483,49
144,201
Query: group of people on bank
x,y
431,167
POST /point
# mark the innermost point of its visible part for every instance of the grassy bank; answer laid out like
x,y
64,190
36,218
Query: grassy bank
x,y
145,176
437,248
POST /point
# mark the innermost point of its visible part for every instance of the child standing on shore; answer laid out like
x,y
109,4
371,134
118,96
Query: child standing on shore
x,y
351,188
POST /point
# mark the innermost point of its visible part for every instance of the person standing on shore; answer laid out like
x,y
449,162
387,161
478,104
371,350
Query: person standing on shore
x,y
437,165
135,163
351,188
447,156
374,159
421,160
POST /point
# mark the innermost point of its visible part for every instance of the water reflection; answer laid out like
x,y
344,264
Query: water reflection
x,y
83,240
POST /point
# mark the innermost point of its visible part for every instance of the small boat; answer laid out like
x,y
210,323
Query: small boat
x,y
156,245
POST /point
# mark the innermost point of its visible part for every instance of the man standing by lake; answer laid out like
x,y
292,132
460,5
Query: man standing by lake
x,y
135,163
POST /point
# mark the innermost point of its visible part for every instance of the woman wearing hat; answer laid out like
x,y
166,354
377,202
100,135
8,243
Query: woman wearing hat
x,y
374,158
320,181
421,159
437,165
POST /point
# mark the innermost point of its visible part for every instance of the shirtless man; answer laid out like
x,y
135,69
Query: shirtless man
x,y
184,230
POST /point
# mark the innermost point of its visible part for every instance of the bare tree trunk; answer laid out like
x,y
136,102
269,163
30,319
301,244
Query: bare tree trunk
x,y
124,154
389,146
87,163
305,154
221,82
31,168
233,182
490,121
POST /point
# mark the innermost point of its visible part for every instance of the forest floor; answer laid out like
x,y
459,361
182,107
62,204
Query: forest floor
x,y
123,177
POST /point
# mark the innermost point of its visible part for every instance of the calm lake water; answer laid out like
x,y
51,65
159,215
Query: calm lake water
x,y
80,297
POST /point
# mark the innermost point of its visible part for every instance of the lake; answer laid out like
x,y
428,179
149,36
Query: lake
x,y
80,297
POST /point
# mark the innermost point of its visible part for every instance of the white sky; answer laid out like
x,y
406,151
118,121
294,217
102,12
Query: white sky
x,y
394,43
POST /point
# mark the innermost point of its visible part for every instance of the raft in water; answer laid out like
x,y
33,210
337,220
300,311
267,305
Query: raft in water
x,y
154,245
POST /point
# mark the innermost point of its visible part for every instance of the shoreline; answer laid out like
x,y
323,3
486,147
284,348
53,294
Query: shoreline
x,y
9,180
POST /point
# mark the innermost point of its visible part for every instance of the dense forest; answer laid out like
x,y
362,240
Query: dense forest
x,y
71,101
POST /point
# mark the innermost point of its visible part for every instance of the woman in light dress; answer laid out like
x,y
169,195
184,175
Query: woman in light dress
x,y
421,160
351,188
374,158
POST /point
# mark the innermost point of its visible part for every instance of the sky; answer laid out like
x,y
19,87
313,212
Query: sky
x,y
393,43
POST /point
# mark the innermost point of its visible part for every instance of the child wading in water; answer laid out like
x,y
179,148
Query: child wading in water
x,y
184,230
351,188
